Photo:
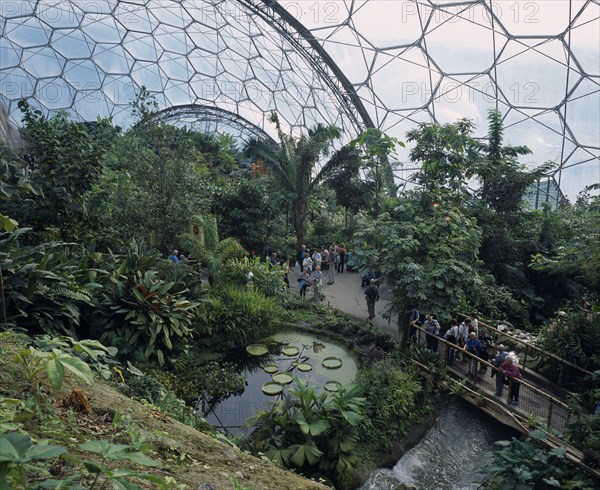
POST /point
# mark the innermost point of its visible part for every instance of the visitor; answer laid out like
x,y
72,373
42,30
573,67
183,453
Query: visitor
x,y
474,325
372,296
486,342
303,283
342,255
285,270
317,277
325,260
331,266
432,327
414,321
174,256
307,263
463,335
366,279
510,369
451,336
300,257
316,258
473,347
497,362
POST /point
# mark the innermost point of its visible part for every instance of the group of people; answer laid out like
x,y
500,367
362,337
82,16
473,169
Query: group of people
x,y
469,338
313,263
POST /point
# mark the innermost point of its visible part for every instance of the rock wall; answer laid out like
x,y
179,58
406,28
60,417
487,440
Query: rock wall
x,y
9,133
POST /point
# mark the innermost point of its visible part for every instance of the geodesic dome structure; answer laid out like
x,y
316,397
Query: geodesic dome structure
x,y
390,64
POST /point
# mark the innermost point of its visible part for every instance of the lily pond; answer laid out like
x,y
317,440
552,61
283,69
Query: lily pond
x,y
270,369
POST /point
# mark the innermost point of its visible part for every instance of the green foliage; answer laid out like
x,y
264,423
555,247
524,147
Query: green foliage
x,y
33,362
209,249
67,160
374,148
392,405
266,278
140,309
524,464
12,183
143,311
250,210
237,316
574,337
427,247
16,451
448,154
293,166
98,357
309,430
575,254
43,288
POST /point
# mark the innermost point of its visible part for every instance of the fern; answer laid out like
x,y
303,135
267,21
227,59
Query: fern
x,y
72,294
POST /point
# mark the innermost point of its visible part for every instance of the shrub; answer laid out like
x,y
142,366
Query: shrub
x,y
238,316
392,403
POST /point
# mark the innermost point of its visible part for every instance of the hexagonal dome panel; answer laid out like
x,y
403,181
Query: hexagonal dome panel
x,y
351,63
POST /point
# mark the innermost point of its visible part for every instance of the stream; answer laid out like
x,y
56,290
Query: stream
x,y
449,455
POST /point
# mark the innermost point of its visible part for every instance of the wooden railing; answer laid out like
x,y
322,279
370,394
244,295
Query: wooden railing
x,y
565,368
532,400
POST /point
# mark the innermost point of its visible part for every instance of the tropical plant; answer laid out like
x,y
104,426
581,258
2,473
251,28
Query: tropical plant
x,y
12,183
375,148
524,464
427,248
139,309
265,277
208,248
33,363
143,311
294,164
448,154
237,316
576,254
43,287
17,450
66,160
306,430
392,403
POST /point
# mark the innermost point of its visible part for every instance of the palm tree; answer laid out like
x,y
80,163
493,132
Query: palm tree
x,y
293,165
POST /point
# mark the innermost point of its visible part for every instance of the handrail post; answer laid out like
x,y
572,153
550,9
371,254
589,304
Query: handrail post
x,y
525,356
550,412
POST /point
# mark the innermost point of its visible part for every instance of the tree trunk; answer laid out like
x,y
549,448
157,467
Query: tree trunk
x,y
299,212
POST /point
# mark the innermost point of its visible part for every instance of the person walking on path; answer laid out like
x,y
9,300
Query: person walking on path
x,y
372,295
342,255
510,369
497,362
331,266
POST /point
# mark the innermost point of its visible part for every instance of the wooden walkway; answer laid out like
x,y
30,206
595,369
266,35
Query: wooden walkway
x,y
538,406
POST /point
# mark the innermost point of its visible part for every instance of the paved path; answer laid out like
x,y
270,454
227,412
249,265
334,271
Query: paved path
x,y
348,296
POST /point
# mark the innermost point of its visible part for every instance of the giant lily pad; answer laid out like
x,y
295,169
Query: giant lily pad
x,y
283,378
332,362
257,349
304,367
332,386
271,368
290,350
272,388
